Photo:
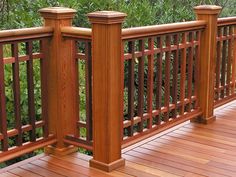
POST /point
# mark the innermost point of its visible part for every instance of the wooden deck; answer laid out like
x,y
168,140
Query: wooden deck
x,y
187,150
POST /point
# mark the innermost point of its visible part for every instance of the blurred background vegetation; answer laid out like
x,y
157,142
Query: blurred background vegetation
x,y
24,13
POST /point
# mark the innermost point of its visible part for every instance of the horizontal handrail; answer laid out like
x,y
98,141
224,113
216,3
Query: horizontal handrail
x,y
139,32
226,21
25,33
76,32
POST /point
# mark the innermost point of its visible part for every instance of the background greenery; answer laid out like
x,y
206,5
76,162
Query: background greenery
x,y
23,13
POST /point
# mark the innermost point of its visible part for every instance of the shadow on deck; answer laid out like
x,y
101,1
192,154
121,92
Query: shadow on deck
x,y
186,150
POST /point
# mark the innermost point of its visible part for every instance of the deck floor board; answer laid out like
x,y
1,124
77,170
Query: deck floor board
x,y
190,150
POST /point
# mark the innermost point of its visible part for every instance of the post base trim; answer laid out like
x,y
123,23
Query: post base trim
x,y
60,151
107,167
202,120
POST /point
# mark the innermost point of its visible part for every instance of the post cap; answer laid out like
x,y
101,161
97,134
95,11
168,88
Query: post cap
x,y
207,9
106,17
57,12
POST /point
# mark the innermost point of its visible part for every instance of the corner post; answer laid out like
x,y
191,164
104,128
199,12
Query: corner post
x,y
62,110
106,65
208,13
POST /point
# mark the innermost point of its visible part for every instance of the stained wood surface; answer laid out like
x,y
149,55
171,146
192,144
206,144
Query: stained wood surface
x,y
191,150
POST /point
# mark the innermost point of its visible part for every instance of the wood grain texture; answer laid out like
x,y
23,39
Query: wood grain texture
x,y
192,150
61,76
106,82
207,60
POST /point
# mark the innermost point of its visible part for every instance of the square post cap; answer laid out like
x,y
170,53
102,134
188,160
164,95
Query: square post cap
x,y
106,17
57,13
207,9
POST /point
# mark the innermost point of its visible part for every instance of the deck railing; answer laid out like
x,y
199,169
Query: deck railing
x,y
160,80
81,38
106,88
225,61
22,51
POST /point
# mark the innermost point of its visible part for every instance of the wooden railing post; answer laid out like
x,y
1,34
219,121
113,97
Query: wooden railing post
x,y
62,109
106,83
208,13
234,61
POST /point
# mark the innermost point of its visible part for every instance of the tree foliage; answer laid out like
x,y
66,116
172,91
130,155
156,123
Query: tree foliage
x,y
23,13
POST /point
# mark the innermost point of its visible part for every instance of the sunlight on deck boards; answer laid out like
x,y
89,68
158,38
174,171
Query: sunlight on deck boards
x,y
186,150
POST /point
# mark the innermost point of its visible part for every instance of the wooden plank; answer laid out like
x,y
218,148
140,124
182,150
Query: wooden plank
x,y
208,136
196,68
159,79
183,73
222,135
191,144
229,62
40,171
212,127
3,114
147,169
131,88
134,172
202,141
5,169
22,172
175,75
141,85
16,93
43,78
30,89
8,175
180,162
224,166
150,81
223,64
233,61
190,70
88,78
165,164
157,135
85,164
167,78
153,163
210,156
176,153
73,167
57,169
218,63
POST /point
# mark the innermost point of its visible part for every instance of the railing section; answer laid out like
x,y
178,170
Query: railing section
x,y
82,55
225,61
22,61
160,78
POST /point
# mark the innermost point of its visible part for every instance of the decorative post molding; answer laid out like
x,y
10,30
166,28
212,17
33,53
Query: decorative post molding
x,y
61,86
208,13
106,64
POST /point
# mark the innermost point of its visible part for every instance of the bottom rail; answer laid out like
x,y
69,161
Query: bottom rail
x,y
72,140
225,100
26,148
157,129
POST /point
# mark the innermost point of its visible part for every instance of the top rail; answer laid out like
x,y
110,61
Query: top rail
x,y
139,32
226,21
25,33
76,32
